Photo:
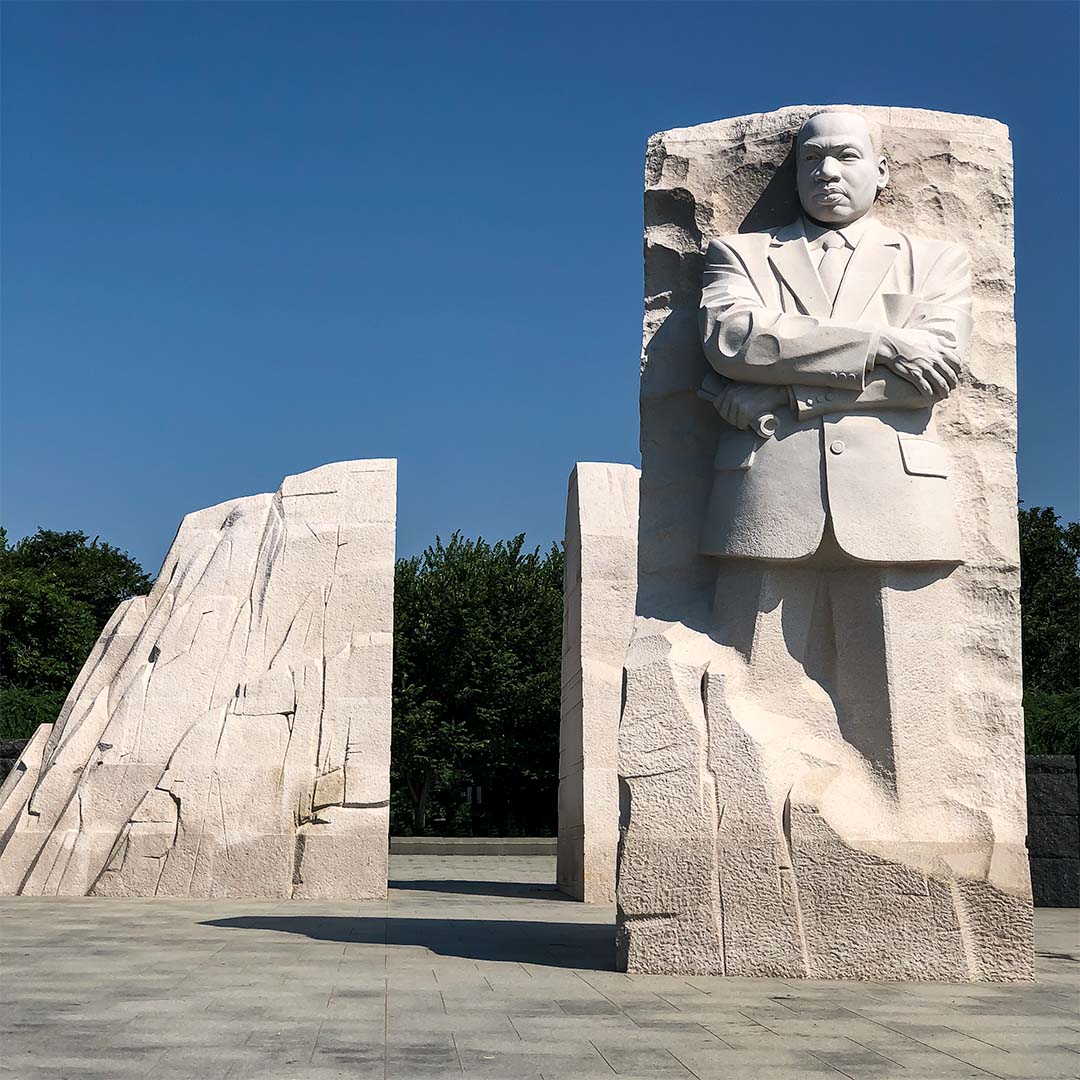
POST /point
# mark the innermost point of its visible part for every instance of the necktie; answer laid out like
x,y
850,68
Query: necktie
x,y
833,263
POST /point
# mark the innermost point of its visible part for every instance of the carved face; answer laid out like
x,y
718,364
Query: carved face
x,y
839,173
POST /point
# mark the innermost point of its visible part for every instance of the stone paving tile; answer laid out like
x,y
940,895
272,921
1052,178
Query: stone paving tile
x,y
477,968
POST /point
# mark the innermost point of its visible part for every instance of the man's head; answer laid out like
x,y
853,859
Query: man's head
x,y
839,168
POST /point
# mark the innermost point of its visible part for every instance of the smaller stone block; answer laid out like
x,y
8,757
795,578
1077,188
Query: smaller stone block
x,y
599,593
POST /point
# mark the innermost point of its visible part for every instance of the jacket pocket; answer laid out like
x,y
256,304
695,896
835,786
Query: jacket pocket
x,y
923,457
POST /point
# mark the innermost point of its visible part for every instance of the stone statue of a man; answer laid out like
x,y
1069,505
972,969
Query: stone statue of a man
x,y
848,332
821,743
839,335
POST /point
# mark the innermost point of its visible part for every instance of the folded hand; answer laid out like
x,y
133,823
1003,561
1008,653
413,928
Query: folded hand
x,y
740,404
928,361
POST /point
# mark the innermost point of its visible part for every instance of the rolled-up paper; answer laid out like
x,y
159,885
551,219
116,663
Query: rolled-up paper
x,y
765,425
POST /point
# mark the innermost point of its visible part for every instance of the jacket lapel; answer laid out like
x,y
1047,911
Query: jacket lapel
x,y
866,269
790,258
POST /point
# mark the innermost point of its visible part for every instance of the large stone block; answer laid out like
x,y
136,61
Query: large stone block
x,y
822,774
598,618
229,734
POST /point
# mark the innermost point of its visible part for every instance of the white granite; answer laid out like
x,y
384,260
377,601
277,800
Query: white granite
x,y
230,733
821,750
598,618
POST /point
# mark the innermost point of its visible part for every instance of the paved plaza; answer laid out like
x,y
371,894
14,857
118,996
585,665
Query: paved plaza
x,y
475,966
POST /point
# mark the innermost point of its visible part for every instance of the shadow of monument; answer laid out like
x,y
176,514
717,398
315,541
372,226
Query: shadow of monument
x,y
565,945
517,890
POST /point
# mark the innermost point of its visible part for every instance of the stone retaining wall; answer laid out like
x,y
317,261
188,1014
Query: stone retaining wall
x,y
1053,786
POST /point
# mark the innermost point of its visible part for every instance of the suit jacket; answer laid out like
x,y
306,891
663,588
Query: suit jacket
x,y
856,445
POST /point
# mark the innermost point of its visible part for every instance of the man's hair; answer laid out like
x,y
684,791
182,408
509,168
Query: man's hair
x,y
871,125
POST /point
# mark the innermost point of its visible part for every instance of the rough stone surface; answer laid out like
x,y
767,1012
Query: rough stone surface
x,y
757,839
598,619
229,734
1054,830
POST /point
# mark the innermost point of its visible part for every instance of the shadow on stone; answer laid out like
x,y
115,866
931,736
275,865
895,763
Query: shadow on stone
x,y
567,945
517,890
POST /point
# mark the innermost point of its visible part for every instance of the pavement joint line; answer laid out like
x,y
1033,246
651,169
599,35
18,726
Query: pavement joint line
x,y
871,1050
759,1024
604,1059
696,1075
457,1053
985,1042
386,1025
657,993
938,1050
715,1036
682,1063
597,990
835,1068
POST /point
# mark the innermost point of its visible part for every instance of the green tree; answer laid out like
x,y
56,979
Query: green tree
x,y
1050,614
57,591
477,639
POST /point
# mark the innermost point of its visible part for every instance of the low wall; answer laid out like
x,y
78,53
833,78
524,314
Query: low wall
x,y
473,845
1053,840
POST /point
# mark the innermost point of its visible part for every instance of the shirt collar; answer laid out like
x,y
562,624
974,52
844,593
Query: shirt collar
x,y
852,233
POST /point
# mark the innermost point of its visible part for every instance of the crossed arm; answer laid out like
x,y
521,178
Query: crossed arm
x,y
817,365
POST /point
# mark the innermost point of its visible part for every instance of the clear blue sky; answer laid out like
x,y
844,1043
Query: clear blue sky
x,y
244,239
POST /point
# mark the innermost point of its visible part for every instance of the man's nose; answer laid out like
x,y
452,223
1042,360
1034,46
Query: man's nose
x,y
829,169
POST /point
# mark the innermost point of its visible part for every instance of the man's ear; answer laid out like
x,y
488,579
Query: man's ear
x,y
883,173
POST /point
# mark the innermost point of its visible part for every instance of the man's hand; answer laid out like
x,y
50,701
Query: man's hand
x,y
927,361
740,404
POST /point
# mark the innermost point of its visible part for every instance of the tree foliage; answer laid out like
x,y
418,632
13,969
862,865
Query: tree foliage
x,y
477,640
477,644
1050,612
57,591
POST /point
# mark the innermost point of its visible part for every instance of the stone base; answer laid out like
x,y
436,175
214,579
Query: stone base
x,y
753,844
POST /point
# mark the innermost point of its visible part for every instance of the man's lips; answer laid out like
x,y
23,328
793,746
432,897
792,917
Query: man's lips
x,y
829,196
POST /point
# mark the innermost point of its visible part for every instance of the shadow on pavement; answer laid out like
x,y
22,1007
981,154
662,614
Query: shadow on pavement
x,y
520,890
589,946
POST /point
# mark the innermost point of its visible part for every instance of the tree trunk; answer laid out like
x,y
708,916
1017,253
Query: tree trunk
x,y
420,800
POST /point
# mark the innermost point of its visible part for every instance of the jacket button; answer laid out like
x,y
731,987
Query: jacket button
x,y
828,395
837,446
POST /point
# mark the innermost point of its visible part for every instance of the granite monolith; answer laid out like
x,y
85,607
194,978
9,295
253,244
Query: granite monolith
x,y
821,748
229,735
598,618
